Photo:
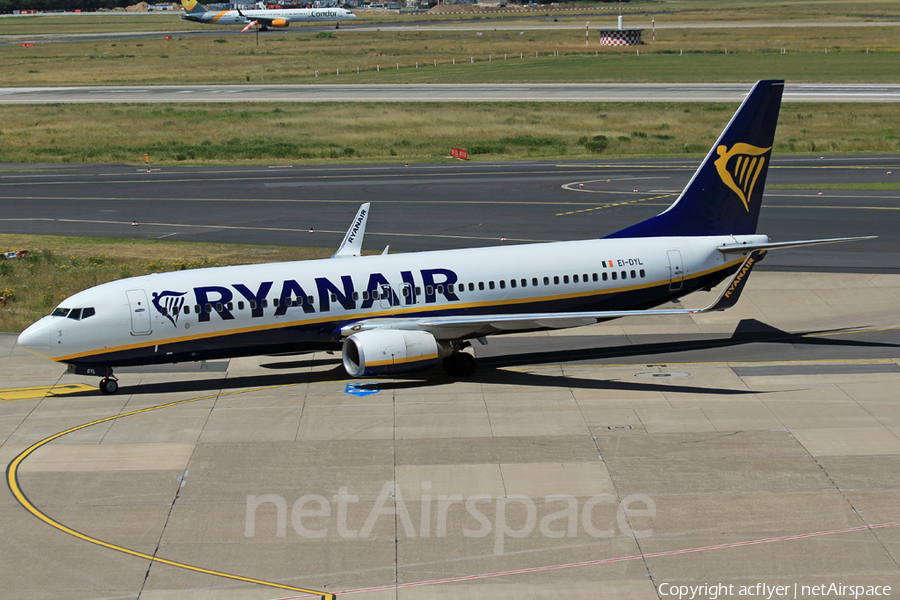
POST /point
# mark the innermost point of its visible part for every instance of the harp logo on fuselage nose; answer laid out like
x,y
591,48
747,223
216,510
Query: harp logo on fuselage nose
x,y
740,167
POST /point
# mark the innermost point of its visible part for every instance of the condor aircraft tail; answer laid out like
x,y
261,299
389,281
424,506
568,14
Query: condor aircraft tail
x,y
193,7
724,195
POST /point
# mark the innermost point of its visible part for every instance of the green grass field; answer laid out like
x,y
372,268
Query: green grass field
x,y
861,54
421,132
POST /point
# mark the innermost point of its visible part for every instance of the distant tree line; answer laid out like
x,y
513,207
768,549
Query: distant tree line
x,y
8,6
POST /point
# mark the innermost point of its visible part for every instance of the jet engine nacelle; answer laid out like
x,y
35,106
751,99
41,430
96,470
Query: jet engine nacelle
x,y
279,23
391,352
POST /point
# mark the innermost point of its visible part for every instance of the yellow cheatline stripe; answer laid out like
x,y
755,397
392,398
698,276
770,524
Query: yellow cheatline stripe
x,y
346,319
41,391
400,361
12,480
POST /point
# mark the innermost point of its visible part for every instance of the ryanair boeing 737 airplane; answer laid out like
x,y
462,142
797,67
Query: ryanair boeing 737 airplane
x,y
393,314
262,17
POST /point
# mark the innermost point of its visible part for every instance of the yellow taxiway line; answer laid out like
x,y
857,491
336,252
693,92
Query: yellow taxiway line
x,y
12,479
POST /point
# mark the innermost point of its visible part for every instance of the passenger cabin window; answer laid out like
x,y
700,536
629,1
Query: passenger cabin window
x,y
556,280
614,276
594,276
471,287
512,283
574,278
624,275
565,279
642,273
502,284
534,281
481,285
546,281
491,284
605,277
633,274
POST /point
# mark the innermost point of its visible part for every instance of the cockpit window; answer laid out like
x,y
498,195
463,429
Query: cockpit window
x,y
76,314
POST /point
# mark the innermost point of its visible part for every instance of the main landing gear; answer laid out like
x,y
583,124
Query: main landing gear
x,y
109,385
459,364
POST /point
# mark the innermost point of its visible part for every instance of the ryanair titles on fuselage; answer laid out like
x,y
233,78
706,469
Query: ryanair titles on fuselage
x,y
291,293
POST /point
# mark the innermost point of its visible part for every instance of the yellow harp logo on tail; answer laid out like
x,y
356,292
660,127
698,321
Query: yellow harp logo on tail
x,y
741,174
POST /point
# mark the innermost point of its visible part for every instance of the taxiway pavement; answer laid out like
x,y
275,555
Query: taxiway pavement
x,y
760,444
450,205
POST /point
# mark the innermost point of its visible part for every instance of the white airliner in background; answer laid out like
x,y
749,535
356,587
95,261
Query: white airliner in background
x,y
399,313
263,17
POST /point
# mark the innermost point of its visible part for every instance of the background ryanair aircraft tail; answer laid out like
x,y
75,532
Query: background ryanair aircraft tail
x,y
724,195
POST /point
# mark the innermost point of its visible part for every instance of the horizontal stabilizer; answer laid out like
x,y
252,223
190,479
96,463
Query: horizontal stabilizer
x,y
729,248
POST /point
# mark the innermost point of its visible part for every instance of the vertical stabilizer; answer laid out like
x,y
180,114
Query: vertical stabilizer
x,y
193,7
724,195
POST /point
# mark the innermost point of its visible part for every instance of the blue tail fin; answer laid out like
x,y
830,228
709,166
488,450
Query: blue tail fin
x,y
724,195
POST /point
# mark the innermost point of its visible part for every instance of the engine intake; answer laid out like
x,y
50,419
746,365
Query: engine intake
x,y
391,352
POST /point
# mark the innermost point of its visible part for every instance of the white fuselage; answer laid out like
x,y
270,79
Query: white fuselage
x,y
286,15
254,309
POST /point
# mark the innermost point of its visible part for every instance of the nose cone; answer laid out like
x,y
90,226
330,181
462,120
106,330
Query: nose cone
x,y
350,15
36,339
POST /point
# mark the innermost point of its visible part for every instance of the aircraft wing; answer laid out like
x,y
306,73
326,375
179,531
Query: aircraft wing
x,y
453,327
